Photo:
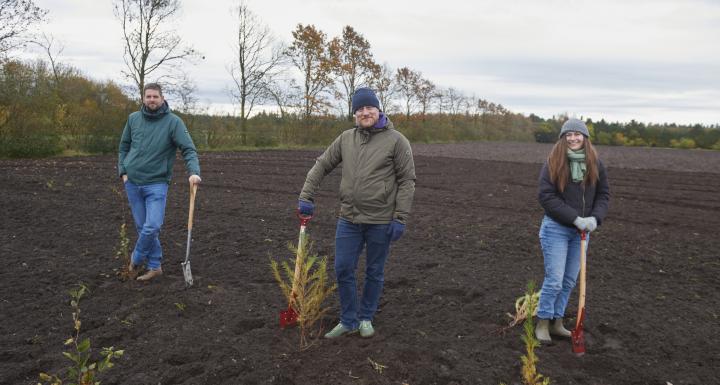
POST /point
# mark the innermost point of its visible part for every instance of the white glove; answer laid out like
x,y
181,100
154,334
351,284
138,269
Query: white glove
x,y
580,223
590,224
194,179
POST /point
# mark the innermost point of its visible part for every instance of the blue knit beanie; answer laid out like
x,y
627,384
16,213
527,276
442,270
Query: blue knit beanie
x,y
576,125
364,97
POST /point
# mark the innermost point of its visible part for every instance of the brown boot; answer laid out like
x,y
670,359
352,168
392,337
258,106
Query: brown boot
x,y
132,270
557,329
150,275
541,331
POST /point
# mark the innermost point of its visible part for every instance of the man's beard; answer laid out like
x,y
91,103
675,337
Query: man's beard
x,y
371,123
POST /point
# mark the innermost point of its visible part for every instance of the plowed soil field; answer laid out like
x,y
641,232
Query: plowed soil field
x,y
653,298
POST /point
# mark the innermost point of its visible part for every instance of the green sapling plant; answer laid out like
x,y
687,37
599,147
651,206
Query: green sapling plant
x,y
529,360
83,370
310,290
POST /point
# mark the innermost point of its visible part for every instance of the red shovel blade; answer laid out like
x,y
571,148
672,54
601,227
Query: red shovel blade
x,y
288,317
578,336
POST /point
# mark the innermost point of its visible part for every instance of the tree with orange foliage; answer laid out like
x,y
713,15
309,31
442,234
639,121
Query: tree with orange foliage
x,y
352,63
309,53
407,82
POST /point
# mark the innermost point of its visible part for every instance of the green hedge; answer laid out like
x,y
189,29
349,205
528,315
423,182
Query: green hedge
x,y
33,145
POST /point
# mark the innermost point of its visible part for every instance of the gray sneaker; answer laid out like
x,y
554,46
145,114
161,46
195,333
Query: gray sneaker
x,y
366,329
339,331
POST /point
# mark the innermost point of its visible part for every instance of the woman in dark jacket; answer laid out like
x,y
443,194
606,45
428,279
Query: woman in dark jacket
x,y
574,193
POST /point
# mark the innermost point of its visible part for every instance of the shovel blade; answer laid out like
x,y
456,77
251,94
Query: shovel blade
x,y
288,317
578,336
187,273
578,342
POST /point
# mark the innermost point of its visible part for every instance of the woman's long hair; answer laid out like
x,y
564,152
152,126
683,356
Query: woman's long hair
x,y
558,164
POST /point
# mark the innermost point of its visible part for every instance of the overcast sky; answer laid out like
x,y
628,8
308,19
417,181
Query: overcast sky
x,y
653,61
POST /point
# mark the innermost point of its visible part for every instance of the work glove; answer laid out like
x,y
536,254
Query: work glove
x,y
305,207
395,230
591,224
580,223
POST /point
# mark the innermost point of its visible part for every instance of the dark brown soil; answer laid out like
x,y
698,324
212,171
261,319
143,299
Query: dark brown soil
x,y
653,301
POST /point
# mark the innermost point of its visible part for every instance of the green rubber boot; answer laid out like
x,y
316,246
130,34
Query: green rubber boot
x,y
557,329
541,331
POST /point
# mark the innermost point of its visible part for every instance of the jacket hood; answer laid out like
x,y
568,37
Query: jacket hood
x,y
157,114
382,124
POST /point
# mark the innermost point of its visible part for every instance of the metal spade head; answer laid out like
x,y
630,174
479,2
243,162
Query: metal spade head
x,y
187,273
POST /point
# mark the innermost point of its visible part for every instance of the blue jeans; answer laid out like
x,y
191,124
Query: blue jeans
x,y
561,251
147,204
350,239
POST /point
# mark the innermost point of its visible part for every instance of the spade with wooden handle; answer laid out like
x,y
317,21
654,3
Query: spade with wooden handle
x,y
187,273
578,336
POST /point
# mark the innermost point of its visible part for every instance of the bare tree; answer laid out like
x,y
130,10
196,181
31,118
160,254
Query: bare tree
x,y
257,56
46,43
426,92
441,100
285,93
407,81
468,106
384,86
185,89
353,64
472,105
150,43
455,100
308,53
17,18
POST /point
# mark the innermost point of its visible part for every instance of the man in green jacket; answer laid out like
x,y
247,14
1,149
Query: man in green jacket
x,y
376,192
148,145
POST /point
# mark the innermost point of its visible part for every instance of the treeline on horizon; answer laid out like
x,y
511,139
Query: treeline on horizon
x,y
48,110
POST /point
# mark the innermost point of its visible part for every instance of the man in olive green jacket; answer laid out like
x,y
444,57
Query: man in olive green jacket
x,y
148,145
376,193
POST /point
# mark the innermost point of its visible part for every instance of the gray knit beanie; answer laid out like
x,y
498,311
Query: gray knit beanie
x,y
576,125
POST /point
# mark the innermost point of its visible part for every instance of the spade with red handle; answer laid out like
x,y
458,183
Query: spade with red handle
x,y
289,316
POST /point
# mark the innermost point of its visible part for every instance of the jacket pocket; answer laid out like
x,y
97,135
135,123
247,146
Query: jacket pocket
x,y
374,195
129,161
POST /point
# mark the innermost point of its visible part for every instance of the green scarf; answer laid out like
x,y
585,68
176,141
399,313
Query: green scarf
x,y
577,164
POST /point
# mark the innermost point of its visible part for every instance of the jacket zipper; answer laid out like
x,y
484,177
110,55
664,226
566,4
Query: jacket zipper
x,y
358,162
